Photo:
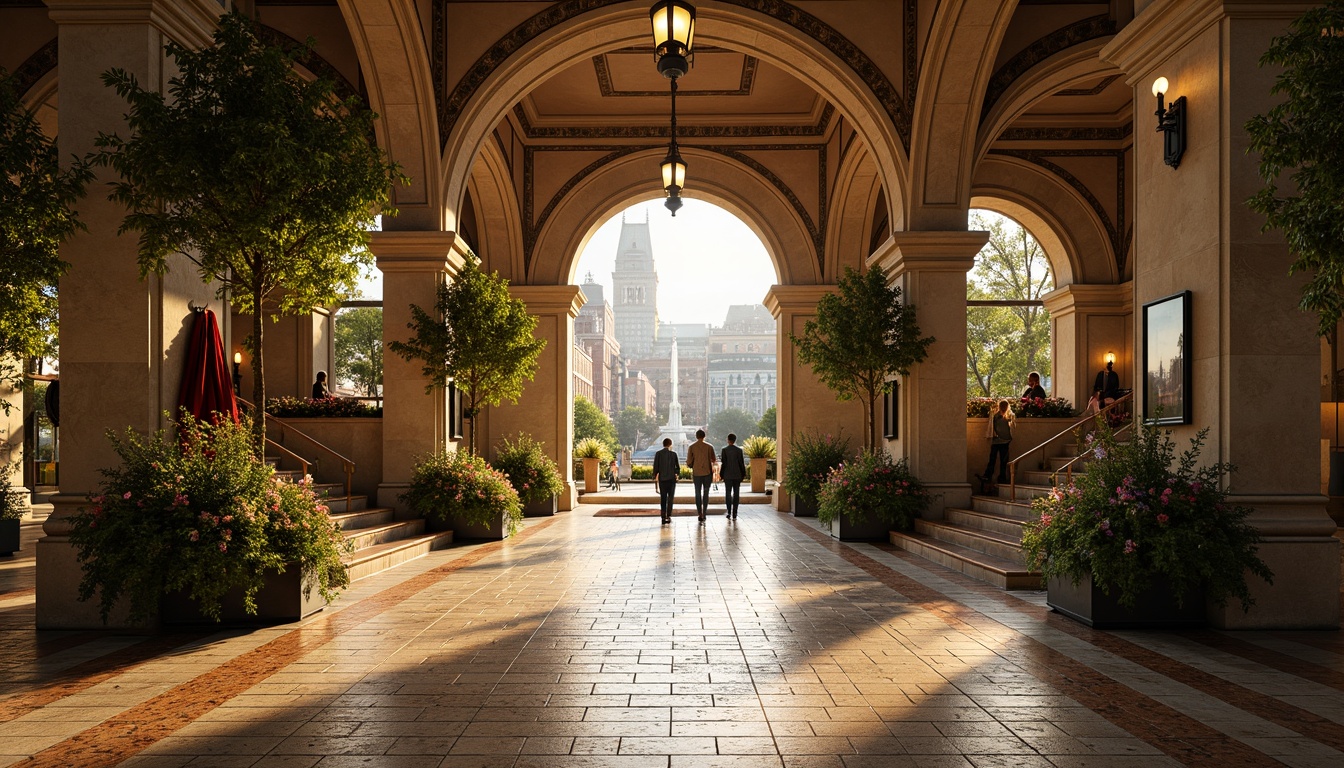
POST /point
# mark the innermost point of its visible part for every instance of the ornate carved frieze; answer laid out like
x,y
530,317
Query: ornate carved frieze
x,y
1118,233
604,86
1118,133
611,133
311,60
35,67
1059,40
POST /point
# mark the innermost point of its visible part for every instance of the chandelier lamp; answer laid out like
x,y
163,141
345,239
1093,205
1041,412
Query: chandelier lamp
x,y
673,23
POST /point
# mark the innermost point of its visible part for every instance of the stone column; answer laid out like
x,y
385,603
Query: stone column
x,y
415,422
122,338
1255,357
1086,322
546,409
803,403
930,268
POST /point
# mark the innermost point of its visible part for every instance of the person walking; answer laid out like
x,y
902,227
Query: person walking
x,y
666,469
700,458
732,470
1000,434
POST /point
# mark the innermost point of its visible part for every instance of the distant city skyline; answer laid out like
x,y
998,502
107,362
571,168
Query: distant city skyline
x,y
707,260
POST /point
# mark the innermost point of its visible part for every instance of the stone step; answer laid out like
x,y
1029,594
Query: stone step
x,y
999,545
1000,572
983,521
364,518
379,557
363,538
337,502
685,495
1017,510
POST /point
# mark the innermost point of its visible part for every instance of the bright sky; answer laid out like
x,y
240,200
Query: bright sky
x,y
706,258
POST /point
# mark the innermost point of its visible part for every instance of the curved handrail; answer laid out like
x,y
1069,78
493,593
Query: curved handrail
x,y
347,465
1012,465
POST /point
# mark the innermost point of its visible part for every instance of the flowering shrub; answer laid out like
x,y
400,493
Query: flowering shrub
x,y
870,486
460,484
304,407
530,471
1040,407
1138,512
199,513
812,455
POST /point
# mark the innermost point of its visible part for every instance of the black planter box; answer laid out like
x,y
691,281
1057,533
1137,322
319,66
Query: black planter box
x,y
281,599
543,508
9,537
1155,609
867,529
802,508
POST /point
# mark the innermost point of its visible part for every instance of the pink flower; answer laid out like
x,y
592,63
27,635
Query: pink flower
x,y
1162,519
194,535
1130,546
223,547
126,495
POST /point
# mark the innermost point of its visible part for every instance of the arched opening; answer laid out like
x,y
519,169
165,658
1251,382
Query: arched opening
x,y
673,336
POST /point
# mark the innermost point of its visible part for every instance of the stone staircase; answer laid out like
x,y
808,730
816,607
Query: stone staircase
x,y
985,541
380,541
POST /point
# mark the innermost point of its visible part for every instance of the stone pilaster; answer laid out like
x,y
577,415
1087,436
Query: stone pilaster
x,y
1255,358
803,403
11,439
121,337
1086,322
930,268
546,408
415,422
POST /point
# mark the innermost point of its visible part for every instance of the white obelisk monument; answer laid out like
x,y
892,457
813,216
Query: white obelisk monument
x,y
674,428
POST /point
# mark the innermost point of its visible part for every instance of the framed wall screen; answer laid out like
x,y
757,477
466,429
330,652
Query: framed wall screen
x,y
1166,360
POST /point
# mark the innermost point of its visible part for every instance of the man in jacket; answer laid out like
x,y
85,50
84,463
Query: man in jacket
x,y
700,458
732,470
666,468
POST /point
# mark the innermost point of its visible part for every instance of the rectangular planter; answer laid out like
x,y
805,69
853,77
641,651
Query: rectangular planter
x,y
864,530
802,508
465,531
1155,609
9,537
281,599
758,471
543,508
591,473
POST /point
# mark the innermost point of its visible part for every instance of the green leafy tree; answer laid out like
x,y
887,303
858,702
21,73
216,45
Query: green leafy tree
x,y
359,348
36,215
590,421
1301,137
861,336
634,425
479,337
730,421
266,181
768,426
1005,343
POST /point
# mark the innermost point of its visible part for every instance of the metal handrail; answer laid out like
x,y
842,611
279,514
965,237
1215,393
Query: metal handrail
x,y
303,463
346,464
1054,476
1012,465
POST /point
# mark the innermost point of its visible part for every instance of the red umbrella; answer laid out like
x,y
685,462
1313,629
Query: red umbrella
x,y
207,386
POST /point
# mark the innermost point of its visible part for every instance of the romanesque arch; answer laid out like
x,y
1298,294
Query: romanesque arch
x,y
854,208
498,217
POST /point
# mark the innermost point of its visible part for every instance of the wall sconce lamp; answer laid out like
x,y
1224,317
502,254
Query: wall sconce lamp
x,y
1171,123
673,24
237,372
1110,358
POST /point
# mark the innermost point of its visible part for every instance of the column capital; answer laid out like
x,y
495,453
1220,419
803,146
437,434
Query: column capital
x,y
550,299
1163,28
928,251
418,251
1095,299
781,298
189,22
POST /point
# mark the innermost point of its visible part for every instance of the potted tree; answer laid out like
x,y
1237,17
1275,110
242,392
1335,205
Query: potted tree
x,y
760,449
812,456
11,511
868,496
594,453
531,473
1143,538
461,492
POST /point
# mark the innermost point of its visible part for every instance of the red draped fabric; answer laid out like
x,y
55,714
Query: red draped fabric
x,y
207,384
